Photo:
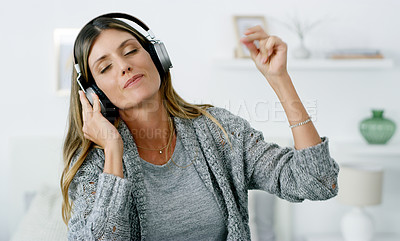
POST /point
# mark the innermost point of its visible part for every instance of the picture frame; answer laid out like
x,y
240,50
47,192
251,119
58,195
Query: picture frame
x,y
241,24
64,39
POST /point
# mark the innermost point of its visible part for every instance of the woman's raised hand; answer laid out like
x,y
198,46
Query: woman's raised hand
x,y
270,56
95,126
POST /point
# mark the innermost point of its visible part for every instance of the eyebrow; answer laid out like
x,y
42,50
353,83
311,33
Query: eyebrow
x,y
120,46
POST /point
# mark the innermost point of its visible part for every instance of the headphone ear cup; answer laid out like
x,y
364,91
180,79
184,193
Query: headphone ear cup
x,y
160,57
108,109
98,92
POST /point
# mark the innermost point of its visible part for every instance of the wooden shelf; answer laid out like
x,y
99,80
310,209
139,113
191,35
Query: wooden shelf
x,y
314,64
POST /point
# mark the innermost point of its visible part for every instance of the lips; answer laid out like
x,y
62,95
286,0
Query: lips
x,y
132,80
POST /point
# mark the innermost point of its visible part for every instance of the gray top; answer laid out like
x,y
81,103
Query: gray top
x,y
179,206
108,207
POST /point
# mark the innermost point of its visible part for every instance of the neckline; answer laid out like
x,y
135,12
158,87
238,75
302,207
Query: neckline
x,y
168,164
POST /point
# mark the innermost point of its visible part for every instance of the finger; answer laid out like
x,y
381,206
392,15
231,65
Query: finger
x,y
254,29
270,46
255,33
263,48
255,36
84,103
96,103
252,49
250,40
272,42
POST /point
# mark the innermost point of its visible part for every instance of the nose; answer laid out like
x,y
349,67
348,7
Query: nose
x,y
126,69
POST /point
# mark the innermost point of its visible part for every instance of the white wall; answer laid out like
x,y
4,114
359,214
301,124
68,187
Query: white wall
x,y
198,34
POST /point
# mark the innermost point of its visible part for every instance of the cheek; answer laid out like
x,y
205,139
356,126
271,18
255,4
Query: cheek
x,y
150,66
155,75
108,87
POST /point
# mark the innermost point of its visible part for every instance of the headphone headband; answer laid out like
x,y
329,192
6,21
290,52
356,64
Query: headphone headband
x,y
128,17
157,49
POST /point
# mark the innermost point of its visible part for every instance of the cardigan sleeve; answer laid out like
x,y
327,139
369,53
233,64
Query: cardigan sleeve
x,y
291,174
100,204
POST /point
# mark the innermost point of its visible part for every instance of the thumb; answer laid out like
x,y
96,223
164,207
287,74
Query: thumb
x,y
252,48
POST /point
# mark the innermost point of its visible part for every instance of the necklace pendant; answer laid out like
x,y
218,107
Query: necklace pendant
x,y
160,151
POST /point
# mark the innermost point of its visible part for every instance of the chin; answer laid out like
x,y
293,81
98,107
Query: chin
x,y
150,100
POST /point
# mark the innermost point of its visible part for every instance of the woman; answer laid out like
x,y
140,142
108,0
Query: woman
x,y
167,169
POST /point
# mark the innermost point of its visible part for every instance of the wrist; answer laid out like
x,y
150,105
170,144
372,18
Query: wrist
x,y
281,82
274,77
115,143
113,153
284,88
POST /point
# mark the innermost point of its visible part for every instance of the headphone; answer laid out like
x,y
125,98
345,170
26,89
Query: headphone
x,y
158,54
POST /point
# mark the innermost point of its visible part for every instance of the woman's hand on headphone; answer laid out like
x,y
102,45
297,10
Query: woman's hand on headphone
x,y
95,126
270,56
99,130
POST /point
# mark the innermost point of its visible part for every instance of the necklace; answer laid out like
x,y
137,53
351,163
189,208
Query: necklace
x,y
191,162
169,142
161,149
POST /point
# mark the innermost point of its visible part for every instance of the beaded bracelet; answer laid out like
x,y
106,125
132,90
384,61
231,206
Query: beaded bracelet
x,y
301,123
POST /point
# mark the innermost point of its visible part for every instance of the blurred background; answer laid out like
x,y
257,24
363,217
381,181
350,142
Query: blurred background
x,y
202,42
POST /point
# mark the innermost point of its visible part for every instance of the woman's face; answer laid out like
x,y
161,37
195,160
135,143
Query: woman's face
x,y
123,69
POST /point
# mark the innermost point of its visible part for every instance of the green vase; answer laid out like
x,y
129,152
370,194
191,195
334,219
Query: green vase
x,y
377,129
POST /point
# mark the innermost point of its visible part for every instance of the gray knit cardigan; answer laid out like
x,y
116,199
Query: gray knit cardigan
x,y
106,207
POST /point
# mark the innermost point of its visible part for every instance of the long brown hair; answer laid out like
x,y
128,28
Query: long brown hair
x,y
74,140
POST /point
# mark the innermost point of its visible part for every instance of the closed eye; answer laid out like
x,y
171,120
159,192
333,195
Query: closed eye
x,y
105,69
131,52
